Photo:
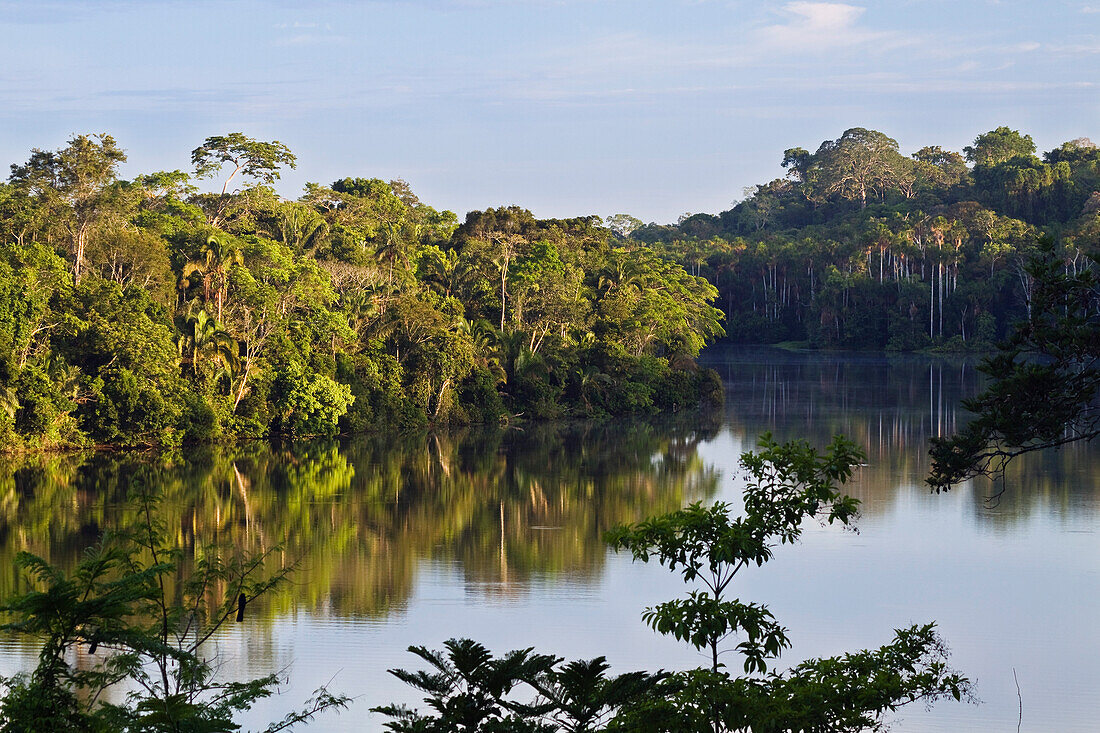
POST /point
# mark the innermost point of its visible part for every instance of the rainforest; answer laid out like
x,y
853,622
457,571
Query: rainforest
x,y
151,311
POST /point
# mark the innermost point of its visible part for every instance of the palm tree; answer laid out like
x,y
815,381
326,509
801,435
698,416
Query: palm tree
x,y
217,259
395,247
442,270
467,689
623,269
204,342
483,337
66,377
593,381
9,401
299,226
582,697
508,350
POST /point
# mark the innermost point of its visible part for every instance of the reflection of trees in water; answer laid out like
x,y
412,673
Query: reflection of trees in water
x,y
1063,483
361,517
892,406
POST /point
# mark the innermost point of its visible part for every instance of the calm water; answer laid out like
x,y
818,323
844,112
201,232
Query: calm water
x,y
495,536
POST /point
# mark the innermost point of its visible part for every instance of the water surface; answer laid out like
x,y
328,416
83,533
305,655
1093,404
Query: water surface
x,y
496,536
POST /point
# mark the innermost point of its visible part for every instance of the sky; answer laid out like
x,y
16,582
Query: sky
x,y
654,108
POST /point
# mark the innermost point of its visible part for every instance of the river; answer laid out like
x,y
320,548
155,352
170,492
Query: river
x,y
495,535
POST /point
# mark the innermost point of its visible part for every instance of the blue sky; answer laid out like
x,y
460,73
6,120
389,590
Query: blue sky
x,y
566,107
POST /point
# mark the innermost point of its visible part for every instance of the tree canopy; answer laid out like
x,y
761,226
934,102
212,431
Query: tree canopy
x,y
190,316
862,246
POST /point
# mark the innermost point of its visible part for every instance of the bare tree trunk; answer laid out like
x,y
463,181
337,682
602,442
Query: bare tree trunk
x,y
931,306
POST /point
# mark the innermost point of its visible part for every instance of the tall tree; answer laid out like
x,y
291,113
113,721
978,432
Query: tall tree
x,y
219,255
859,161
255,159
76,186
999,146
623,224
938,169
205,344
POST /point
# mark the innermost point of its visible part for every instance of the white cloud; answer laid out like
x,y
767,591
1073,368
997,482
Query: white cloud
x,y
815,26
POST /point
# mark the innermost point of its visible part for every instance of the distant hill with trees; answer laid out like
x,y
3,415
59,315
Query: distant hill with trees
x,y
860,246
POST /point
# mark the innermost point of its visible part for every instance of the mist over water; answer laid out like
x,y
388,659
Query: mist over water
x,y
496,535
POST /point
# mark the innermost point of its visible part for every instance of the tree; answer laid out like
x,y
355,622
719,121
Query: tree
x,y
255,159
1076,151
623,224
938,169
1046,378
999,146
308,404
77,188
123,343
217,259
788,484
858,161
707,545
132,256
797,161
582,697
206,344
469,690
648,304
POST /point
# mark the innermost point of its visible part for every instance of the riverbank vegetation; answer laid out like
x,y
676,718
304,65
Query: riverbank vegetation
x,y
145,311
148,311
1044,389
862,246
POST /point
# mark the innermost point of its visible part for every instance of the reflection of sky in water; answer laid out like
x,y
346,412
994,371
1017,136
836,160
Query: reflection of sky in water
x,y
1012,585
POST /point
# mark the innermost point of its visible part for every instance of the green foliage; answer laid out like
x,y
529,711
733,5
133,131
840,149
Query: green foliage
x,y
147,312
852,692
121,341
308,404
40,408
999,146
253,158
470,690
790,483
861,247
583,698
30,707
479,399
74,191
178,315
